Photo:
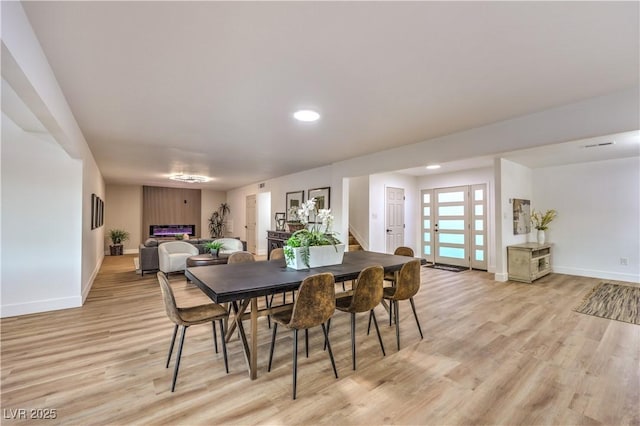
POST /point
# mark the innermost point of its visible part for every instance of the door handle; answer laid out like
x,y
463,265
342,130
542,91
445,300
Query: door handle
x,y
388,230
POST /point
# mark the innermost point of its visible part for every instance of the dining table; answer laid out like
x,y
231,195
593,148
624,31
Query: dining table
x,y
241,284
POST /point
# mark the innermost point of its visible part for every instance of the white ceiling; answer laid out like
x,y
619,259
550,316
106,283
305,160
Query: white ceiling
x,y
210,87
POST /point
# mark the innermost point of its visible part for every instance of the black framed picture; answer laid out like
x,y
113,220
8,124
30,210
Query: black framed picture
x,y
323,200
100,212
94,205
294,200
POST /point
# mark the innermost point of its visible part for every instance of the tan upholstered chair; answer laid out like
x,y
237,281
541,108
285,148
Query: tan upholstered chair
x,y
400,251
407,285
172,255
276,254
187,317
366,296
314,305
241,257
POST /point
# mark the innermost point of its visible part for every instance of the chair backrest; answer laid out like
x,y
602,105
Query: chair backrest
x,y
241,257
315,301
169,300
404,251
177,247
230,245
276,253
408,282
368,291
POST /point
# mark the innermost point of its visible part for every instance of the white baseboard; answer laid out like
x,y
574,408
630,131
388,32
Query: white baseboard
x,y
605,275
94,274
501,277
40,306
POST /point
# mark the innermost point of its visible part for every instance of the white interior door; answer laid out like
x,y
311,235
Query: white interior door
x,y
251,223
395,218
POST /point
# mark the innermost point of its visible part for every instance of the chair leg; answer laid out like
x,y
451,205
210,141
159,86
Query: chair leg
x,y
390,311
306,341
173,340
175,372
353,340
369,325
328,329
413,306
273,344
397,319
224,346
266,301
375,322
215,337
295,360
326,338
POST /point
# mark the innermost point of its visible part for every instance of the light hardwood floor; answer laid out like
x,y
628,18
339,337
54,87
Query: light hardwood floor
x,y
493,353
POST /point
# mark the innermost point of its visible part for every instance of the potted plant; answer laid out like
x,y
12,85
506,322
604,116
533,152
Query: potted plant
x,y
541,222
316,246
218,221
117,237
214,247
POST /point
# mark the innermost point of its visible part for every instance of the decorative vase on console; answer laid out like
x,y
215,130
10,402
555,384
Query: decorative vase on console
x,y
541,221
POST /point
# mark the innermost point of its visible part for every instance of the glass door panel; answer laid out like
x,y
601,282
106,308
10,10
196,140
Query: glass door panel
x,y
451,223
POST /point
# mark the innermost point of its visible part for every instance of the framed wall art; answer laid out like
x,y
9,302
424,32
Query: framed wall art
x,y
521,216
294,200
323,200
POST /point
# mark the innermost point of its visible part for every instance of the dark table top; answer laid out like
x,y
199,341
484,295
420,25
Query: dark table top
x,y
226,283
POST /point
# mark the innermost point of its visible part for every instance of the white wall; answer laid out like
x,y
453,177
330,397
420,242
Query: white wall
x,y
378,184
26,70
41,223
466,177
359,210
516,182
598,219
278,187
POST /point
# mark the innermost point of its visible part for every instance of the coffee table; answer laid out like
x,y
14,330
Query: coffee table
x,y
206,260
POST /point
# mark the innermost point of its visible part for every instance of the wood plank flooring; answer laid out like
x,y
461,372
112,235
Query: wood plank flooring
x,y
493,353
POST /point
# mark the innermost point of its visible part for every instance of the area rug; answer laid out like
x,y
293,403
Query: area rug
x,y
450,268
612,301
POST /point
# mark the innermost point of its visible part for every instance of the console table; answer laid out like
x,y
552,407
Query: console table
x,y
276,239
529,261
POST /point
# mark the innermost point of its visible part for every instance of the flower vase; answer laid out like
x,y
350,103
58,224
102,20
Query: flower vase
x,y
318,256
541,236
295,226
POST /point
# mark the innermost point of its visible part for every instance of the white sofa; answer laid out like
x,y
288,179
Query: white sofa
x,y
172,255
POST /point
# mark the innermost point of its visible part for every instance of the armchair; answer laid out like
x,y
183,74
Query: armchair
x,y
172,255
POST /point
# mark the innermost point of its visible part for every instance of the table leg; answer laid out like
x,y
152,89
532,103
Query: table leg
x,y
253,368
243,336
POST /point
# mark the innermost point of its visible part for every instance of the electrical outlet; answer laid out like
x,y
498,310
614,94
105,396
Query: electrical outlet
x,y
624,261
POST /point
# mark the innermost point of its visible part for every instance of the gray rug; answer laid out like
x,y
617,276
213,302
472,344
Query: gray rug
x,y
612,301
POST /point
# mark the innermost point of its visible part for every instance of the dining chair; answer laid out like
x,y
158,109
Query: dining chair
x,y
400,251
241,257
407,285
366,296
188,316
314,305
276,254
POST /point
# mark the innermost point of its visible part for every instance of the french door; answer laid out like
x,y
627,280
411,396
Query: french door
x,y
454,226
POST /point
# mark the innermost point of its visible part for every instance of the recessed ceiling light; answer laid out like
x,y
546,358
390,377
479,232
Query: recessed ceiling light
x,y
189,178
433,166
306,115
